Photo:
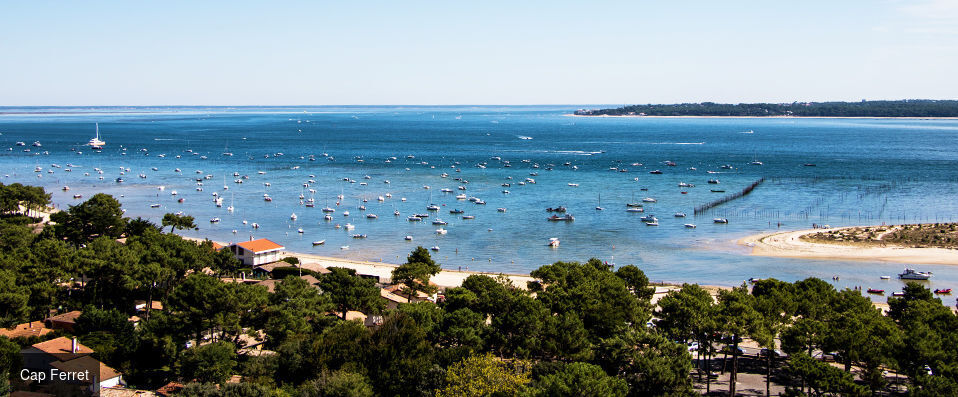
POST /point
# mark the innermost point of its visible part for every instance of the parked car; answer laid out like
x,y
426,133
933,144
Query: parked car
x,y
775,353
728,350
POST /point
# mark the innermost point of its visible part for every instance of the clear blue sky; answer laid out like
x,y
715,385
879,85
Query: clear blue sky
x,y
480,52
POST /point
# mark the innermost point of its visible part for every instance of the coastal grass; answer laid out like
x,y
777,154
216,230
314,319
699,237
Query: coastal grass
x,y
927,235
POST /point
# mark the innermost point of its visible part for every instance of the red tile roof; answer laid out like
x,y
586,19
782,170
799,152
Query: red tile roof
x,y
35,328
62,348
169,389
69,317
261,245
85,362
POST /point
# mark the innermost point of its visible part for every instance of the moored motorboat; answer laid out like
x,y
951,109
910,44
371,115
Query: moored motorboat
x,y
720,220
912,274
943,291
876,291
554,242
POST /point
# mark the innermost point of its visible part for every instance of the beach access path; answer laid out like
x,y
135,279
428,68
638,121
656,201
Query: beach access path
x,y
790,245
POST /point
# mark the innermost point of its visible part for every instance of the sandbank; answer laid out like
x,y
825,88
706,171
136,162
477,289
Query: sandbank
x,y
789,245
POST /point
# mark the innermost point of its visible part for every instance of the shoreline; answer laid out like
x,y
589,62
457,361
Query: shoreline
x,y
790,245
449,278
762,117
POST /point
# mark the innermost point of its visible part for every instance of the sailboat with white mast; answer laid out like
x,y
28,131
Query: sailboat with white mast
x,y
95,142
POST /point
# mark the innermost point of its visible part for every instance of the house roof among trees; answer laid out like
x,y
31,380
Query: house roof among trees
x,y
261,245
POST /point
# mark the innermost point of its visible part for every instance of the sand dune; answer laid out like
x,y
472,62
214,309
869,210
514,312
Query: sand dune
x,y
789,245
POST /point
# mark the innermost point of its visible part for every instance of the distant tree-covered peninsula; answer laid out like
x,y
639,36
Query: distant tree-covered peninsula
x,y
901,108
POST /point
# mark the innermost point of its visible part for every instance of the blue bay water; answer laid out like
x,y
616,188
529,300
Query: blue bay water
x,y
868,171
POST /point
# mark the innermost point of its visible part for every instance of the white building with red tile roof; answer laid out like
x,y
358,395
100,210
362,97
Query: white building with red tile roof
x,y
256,252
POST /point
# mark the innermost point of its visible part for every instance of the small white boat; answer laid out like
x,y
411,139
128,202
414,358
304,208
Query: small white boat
x,y
441,231
320,242
344,247
214,220
501,209
720,220
349,226
680,215
435,248
554,242
408,238
371,216
328,217
345,213
885,277
690,225
649,200
653,223
300,230
154,206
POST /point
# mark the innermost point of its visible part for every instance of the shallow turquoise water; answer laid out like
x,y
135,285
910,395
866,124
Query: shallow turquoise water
x,y
867,172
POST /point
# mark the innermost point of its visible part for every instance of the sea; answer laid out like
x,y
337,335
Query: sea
x,y
388,159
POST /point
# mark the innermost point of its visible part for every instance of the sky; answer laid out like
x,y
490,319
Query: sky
x,y
62,53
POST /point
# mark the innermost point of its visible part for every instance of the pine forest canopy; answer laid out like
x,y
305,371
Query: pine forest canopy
x,y
899,108
582,329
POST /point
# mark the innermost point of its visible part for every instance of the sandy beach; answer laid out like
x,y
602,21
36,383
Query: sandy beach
x,y
789,245
445,279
